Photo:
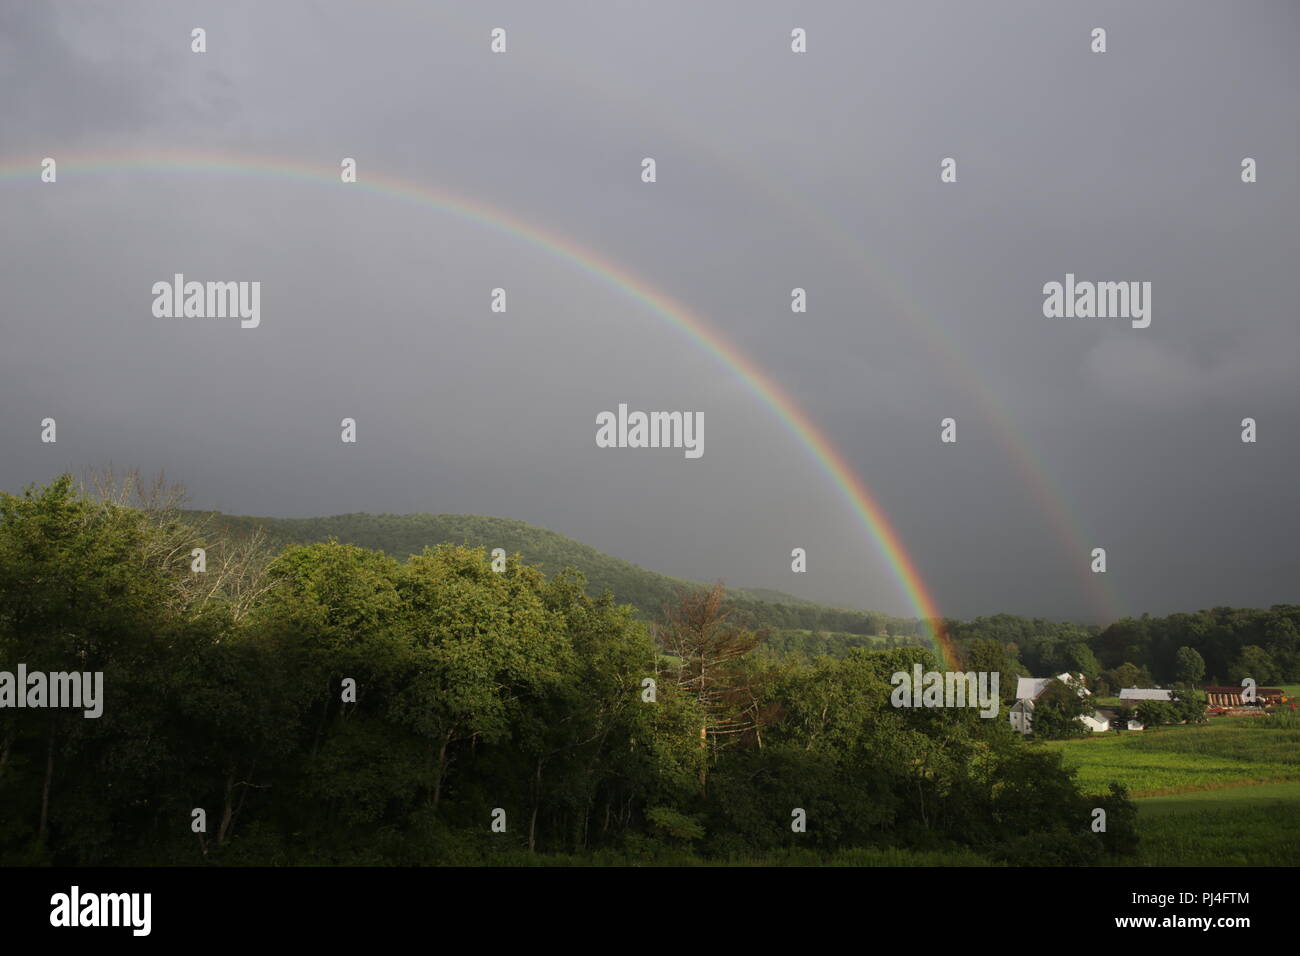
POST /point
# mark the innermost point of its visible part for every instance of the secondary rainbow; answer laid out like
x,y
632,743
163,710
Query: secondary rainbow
x,y
757,380
860,264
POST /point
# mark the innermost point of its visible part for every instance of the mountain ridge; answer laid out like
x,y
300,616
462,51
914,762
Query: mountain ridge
x,y
648,591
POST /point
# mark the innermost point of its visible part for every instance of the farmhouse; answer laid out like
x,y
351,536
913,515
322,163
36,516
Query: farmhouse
x,y
1022,716
1029,689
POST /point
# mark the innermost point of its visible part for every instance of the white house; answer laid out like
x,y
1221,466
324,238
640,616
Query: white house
x,y
1097,722
1116,722
1029,689
1022,715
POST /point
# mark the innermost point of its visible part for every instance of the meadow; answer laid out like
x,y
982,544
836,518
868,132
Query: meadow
x,y
1226,793
1171,760
1256,825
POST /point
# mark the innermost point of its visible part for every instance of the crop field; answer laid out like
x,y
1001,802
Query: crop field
x,y
1237,826
1169,760
1223,794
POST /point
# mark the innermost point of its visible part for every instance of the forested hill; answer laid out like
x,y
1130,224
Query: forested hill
x,y
648,591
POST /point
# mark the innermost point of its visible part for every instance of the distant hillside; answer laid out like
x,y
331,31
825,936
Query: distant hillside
x,y
648,591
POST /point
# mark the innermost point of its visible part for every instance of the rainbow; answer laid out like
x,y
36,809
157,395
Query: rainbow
x,y
761,384
860,262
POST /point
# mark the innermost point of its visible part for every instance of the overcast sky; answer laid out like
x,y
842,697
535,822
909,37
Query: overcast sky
x,y
775,170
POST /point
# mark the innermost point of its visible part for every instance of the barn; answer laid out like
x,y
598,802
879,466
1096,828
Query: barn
x,y
1135,694
1231,696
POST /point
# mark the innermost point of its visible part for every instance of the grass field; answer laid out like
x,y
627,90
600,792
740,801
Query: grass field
x,y
1221,794
1169,760
1237,826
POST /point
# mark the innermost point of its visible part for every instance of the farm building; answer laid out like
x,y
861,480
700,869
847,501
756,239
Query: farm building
x,y
1097,722
1231,696
1115,722
1028,689
1145,693
1022,715
1223,696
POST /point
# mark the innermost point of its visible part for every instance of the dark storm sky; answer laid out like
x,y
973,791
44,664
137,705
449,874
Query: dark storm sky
x,y
775,170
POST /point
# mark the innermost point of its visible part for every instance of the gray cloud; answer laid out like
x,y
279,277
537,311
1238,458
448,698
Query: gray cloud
x,y
775,171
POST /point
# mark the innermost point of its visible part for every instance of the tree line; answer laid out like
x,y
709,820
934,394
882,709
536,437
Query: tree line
x,y
1218,646
647,591
327,703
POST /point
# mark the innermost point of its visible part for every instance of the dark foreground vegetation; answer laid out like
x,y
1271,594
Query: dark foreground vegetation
x,y
329,704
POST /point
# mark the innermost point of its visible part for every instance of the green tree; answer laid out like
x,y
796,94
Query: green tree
x,y
1056,712
1189,706
1079,658
1190,665
1154,713
1253,662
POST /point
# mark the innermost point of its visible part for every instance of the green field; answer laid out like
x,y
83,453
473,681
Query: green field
x,y
1168,760
1238,826
1222,794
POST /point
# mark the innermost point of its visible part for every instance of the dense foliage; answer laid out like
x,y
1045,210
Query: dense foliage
x,y
1231,643
333,704
1221,645
647,591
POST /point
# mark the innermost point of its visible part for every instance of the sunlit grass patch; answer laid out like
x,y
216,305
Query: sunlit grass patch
x,y
1165,760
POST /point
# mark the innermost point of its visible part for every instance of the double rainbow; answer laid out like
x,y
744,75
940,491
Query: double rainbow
x,y
818,444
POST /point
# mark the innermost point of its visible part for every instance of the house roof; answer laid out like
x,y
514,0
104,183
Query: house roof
x,y
1145,693
1238,690
1075,680
1027,688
